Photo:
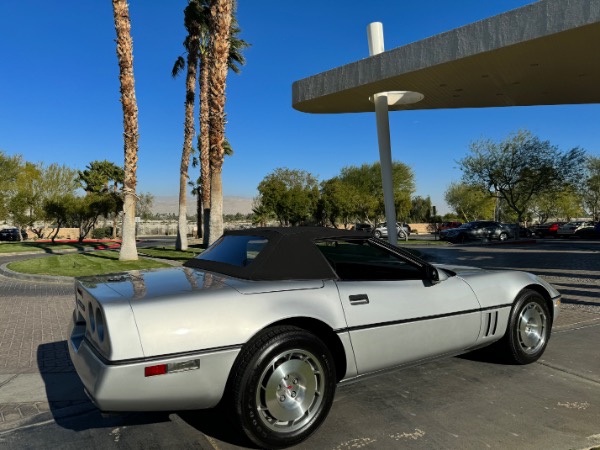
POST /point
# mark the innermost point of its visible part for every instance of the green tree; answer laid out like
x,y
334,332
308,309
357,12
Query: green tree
x,y
290,195
144,206
9,171
520,167
470,202
420,210
60,211
84,211
128,250
104,178
366,180
591,188
339,201
563,204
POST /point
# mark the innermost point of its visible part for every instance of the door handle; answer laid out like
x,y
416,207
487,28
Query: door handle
x,y
359,299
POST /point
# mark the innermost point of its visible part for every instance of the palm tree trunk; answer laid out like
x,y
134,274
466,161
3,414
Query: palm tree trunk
x,y
130,125
190,95
204,148
220,25
199,216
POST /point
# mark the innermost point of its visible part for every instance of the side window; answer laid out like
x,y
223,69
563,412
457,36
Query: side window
x,y
235,250
358,260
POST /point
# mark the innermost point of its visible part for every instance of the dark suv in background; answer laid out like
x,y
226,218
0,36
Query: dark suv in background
x,y
12,234
478,229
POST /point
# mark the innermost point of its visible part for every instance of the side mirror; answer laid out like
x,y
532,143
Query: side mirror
x,y
435,275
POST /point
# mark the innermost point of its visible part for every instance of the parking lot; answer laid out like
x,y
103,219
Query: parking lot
x,y
467,402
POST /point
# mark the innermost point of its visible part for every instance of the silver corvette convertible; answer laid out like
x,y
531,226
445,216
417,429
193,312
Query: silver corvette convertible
x,y
266,322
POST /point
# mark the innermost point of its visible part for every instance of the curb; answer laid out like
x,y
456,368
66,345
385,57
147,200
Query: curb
x,y
55,279
494,243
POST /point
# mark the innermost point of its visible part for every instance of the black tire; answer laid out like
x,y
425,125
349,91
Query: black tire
x,y
528,330
283,385
503,236
377,234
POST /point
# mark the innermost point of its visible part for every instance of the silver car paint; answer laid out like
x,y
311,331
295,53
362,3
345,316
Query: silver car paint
x,y
153,317
395,326
124,387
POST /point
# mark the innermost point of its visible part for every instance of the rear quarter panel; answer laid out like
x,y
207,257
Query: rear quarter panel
x,y
230,313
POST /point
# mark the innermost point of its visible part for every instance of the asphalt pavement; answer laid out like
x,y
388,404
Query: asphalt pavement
x,y
465,402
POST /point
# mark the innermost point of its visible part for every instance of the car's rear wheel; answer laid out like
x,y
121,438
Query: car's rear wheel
x,y
377,234
528,328
283,386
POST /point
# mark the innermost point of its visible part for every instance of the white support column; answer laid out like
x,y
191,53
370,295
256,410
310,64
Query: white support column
x,y
375,37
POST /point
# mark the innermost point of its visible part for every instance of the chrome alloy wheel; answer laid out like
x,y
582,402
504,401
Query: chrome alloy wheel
x,y
532,328
290,390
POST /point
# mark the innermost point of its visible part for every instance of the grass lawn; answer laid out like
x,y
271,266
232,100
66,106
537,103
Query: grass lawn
x,y
48,247
82,264
169,252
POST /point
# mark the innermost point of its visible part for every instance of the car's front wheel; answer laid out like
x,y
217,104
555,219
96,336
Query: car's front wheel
x,y
377,234
528,328
283,386
503,236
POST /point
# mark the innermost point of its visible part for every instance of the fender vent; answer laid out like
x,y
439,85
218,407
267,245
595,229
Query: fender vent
x,y
491,323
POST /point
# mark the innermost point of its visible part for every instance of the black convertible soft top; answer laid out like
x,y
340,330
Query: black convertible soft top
x,y
290,254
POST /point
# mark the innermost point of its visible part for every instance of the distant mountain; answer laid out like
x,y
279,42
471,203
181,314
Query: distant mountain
x,y
231,205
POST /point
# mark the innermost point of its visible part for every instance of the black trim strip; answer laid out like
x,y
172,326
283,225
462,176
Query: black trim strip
x,y
151,359
495,323
423,318
239,346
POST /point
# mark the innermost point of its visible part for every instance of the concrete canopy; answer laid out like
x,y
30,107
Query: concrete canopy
x,y
546,53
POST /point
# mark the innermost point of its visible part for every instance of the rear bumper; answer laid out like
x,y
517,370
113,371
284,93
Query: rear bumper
x,y
123,386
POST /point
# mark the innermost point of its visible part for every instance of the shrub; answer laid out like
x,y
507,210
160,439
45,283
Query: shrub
x,y
102,233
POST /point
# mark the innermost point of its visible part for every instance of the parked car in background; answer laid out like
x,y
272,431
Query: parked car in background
x,y
267,321
572,228
12,234
363,227
478,229
591,232
523,231
448,225
547,229
381,230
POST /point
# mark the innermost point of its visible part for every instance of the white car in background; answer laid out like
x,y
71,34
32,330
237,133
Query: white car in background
x,y
381,230
572,228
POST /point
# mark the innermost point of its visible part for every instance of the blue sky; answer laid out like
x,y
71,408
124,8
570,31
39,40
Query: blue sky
x,y
59,91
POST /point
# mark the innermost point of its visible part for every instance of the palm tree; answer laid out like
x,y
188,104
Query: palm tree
x,y
220,25
192,22
130,126
197,187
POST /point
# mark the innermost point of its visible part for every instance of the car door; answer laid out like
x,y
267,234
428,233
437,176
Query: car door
x,y
396,316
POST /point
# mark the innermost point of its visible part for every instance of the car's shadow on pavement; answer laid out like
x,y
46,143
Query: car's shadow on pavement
x,y
216,424
67,401
71,409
